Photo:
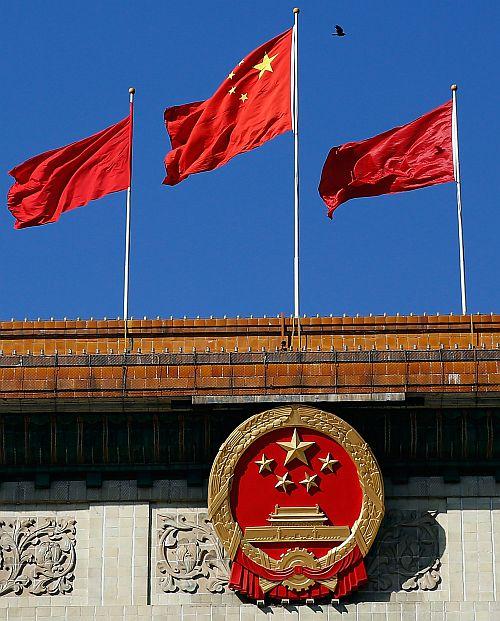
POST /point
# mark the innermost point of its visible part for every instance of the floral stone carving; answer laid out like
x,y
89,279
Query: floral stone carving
x,y
37,556
406,554
191,557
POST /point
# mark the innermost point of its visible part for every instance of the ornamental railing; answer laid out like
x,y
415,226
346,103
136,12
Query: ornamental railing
x,y
259,358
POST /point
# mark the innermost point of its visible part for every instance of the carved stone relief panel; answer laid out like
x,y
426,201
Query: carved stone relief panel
x,y
37,556
191,558
405,556
407,553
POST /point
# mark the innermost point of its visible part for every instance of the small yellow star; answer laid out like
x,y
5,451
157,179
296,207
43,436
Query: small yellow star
x,y
232,90
231,75
328,462
283,481
309,481
265,65
296,449
264,464
243,97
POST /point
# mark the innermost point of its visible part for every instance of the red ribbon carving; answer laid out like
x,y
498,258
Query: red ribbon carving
x,y
350,572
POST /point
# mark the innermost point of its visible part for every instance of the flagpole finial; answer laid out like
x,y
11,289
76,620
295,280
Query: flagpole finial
x,y
131,90
454,87
296,10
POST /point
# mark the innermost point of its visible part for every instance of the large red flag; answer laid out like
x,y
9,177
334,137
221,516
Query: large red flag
x,y
252,105
71,176
404,158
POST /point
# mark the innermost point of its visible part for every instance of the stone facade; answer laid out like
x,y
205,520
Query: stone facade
x,y
122,552
106,446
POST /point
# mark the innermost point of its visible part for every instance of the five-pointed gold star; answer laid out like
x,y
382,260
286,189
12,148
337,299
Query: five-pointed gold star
x,y
232,90
265,65
231,75
264,464
295,448
309,481
328,462
243,97
283,481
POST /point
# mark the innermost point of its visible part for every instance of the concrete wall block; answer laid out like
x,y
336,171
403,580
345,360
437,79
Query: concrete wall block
x,y
117,547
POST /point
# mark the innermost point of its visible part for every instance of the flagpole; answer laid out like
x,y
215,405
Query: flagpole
x,y
127,227
456,171
295,115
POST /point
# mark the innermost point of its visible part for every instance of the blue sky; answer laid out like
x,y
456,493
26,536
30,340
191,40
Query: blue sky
x,y
221,243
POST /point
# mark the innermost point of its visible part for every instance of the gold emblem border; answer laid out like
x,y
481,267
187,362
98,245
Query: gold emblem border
x,y
366,526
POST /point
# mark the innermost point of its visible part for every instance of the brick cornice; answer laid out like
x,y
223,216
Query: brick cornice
x,y
373,332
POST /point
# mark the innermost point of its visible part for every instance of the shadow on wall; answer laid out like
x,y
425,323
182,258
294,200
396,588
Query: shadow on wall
x,y
406,556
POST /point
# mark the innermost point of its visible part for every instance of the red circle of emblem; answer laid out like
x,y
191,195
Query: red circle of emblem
x,y
319,475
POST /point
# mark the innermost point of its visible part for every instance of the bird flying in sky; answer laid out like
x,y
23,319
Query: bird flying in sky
x,y
339,31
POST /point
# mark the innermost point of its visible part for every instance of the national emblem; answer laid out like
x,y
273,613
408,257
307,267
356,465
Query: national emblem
x,y
301,534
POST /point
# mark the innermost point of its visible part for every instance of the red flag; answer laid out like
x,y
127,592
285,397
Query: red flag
x,y
68,177
251,106
404,158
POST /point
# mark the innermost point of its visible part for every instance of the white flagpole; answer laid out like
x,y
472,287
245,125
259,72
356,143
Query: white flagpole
x,y
127,227
456,171
295,120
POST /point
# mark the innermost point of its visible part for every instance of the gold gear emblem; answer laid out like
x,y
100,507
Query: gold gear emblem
x,y
298,557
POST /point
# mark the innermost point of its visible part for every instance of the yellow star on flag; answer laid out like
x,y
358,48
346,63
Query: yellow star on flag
x,y
309,481
295,448
265,65
243,97
232,90
328,462
264,464
283,481
231,75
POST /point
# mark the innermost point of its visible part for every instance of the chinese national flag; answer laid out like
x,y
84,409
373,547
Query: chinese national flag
x,y
404,158
59,180
251,106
